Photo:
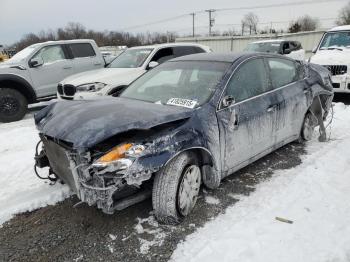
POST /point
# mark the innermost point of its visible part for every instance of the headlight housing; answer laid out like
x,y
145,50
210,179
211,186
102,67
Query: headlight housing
x,y
120,157
91,87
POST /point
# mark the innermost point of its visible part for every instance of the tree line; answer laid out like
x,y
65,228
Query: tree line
x,y
249,25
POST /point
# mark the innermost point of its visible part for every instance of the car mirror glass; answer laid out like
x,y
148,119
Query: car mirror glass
x,y
227,101
36,62
152,64
287,51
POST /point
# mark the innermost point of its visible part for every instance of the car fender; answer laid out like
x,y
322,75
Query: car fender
x,y
22,86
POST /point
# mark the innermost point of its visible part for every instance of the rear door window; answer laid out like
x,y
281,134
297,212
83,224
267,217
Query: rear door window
x,y
282,71
249,80
82,50
163,55
187,50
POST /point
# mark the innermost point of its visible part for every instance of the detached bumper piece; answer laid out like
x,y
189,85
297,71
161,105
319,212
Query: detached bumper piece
x,y
108,191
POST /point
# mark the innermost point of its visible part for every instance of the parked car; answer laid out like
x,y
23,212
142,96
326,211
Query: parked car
x,y
292,49
194,119
32,74
333,52
128,66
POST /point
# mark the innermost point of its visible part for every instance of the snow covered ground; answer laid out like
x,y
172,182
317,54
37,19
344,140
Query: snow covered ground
x,y
314,195
20,189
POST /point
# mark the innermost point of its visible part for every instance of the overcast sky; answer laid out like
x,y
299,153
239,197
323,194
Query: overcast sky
x,y
19,17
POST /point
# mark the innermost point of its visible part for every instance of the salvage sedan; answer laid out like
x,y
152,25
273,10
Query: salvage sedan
x,y
192,120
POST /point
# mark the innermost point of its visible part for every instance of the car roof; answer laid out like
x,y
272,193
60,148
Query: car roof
x,y
168,45
269,41
340,28
228,57
75,41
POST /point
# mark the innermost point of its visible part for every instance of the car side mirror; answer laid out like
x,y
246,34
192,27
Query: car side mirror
x,y
152,64
314,50
287,51
36,62
227,101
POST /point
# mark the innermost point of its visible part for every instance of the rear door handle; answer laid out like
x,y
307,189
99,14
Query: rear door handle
x,y
67,67
96,64
272,108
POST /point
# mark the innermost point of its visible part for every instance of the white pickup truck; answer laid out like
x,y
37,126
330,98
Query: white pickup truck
x,y
32,74
333,52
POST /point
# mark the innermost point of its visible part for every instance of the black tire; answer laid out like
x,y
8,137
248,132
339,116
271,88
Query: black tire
x,y
166,188
13,105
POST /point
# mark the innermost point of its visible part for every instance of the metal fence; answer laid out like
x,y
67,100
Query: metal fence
x,y
237,43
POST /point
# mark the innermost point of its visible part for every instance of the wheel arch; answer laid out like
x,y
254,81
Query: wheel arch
x,y
19,84
210,176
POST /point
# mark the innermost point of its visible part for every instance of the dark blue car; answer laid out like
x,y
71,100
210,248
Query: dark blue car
x,y
192,120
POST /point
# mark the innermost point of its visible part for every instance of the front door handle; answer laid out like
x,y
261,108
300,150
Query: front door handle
x,y
67,67
96,64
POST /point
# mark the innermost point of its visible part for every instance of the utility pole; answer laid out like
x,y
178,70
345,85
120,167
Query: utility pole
x,y
193,14
211,20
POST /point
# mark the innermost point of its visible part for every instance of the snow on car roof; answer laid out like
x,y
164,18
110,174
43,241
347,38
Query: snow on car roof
x,y
340,28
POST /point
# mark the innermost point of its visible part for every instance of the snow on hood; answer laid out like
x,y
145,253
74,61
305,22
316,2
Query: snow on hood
x,y
89,122
331,57
109,76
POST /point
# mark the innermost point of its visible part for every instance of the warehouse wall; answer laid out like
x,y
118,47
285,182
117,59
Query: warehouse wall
x,y
237,43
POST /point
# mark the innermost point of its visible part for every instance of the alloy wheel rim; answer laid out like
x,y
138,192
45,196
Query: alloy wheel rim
x,y
308,128
189,189
8,105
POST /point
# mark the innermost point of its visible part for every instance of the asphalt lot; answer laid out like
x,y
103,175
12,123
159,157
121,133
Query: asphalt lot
x,y
64,233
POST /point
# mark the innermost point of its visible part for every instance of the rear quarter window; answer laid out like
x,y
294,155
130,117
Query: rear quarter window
x,y
82,50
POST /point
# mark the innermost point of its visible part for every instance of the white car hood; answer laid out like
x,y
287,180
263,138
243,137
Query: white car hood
x,y
109,76
331,57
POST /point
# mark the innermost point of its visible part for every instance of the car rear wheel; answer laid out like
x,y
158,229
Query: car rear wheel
x,y
13,105
308,127
176,189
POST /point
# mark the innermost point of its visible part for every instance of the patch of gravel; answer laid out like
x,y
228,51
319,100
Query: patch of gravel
x,y
64,233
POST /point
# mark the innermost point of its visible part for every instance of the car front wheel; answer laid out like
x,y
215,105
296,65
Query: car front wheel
x,y
13,105
308,128
176,188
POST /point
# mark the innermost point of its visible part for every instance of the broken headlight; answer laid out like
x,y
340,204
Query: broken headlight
x,y
120,156
91,87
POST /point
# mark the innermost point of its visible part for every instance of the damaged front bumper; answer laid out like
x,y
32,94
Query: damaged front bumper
x,y
109,188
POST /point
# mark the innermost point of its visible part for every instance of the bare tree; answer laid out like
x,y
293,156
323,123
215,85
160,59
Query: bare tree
x,y
344,15
250,21
304,23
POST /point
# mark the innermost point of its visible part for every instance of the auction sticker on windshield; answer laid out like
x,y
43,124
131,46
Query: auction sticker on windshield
x,y
182,102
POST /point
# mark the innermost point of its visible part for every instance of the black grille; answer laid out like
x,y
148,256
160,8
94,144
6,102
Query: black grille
x,y
60,89
336,85
69,90
337,69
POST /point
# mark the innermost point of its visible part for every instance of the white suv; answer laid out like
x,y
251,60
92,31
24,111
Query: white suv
x,y
128,66
32,74
333,52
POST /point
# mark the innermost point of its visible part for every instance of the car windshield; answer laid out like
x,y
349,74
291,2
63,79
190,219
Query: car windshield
x,y
24,53
336,40
131,58
266,47
182,83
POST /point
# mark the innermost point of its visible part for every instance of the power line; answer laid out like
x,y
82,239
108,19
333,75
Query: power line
x,y
305,2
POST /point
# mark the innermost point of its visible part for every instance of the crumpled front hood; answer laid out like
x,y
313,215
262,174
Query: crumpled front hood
x,y
87,123
331,57
109,76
